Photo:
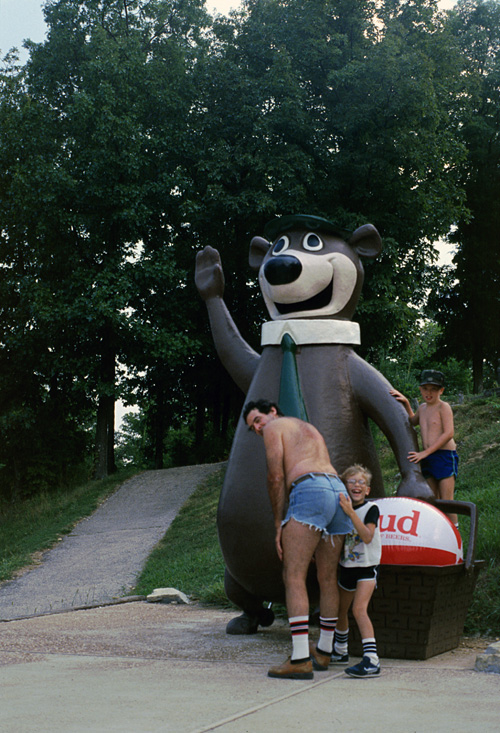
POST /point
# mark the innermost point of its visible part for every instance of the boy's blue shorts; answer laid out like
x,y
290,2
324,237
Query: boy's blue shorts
x,y
314,501
440,464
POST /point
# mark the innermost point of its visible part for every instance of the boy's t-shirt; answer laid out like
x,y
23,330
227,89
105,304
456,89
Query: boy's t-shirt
x,y
355,552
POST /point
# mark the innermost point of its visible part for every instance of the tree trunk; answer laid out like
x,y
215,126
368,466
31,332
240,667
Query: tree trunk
x,y
110,413
199,429
477,371
105,428
101,441
159,427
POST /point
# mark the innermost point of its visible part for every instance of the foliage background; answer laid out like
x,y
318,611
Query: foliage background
x,y
141,131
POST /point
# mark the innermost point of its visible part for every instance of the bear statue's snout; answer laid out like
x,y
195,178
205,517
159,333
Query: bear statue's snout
x,y
282,270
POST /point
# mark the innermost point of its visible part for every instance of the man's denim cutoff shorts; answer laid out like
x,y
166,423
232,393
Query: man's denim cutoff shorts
x,y
315,501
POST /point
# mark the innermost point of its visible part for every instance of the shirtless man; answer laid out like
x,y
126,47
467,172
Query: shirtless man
x,y
299,473
439,459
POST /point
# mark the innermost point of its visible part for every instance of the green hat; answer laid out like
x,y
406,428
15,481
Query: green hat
x,y
292,221
432,376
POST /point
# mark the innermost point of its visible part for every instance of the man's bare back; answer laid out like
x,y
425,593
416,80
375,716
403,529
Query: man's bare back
x,y
304,449
293,448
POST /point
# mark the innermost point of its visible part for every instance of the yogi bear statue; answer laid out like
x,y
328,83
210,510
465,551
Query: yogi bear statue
x,y
310,276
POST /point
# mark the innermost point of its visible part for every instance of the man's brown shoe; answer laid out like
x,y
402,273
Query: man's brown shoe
x,y
320,661
301,670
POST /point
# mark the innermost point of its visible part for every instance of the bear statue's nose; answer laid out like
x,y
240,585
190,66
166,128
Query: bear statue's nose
x,y
282,270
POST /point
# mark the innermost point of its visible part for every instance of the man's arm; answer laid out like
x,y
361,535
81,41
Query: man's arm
x,y
276,486
373,394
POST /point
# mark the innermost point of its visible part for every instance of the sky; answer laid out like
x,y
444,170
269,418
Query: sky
x,y
21,19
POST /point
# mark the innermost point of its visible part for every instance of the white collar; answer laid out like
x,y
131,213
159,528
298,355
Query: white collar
x,y
311,331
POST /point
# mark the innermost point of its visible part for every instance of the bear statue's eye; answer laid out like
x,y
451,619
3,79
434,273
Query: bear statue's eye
x,y
312,242
281,245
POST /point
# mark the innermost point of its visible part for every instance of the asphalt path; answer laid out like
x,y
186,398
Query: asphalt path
x,y
100,560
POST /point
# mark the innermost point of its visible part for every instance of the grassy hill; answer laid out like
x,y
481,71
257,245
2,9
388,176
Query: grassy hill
x,y
189,557
199,572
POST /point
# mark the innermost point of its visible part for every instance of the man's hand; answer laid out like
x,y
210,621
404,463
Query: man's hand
x,y
279,548
209,277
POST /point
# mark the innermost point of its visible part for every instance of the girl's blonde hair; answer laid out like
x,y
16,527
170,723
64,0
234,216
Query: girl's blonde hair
x,y
353,470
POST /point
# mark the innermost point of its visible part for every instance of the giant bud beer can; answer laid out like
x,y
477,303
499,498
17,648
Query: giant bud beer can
x,y
414,532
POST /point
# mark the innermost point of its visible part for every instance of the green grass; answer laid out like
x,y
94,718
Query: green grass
x,y
477,434
36,524
478,440
189,556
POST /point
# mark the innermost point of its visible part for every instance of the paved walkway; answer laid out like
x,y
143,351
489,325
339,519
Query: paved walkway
x,y
102,557
154,668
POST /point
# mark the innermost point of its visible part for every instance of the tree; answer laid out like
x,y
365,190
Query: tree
x,y
469,305
96,143
339,109
137,134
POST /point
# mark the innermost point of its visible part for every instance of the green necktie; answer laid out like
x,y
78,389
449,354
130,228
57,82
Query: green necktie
x,y
290,400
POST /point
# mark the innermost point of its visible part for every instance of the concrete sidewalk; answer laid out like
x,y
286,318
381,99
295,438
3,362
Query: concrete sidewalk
x,y
154,667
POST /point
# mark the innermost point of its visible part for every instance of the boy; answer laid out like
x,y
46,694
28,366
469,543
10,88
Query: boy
x,y
439,459
358,572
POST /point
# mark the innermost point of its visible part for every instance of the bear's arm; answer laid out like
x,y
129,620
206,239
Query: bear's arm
x,y
372,392
237,356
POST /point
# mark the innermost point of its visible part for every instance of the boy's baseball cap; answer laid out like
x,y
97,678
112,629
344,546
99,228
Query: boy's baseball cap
x,y
432,376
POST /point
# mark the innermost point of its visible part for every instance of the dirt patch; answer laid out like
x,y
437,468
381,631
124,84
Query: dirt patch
x,y
477,643
479,455
35,560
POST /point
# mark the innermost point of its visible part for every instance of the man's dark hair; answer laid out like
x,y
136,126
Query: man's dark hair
x,y
263,406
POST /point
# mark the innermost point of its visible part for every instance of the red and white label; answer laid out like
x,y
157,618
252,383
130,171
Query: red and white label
x,y
416,533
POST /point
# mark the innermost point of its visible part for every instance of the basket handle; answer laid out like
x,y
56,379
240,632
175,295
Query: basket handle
x,y
469,509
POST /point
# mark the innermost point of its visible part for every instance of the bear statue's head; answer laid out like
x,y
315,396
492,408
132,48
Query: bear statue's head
x,y
310,268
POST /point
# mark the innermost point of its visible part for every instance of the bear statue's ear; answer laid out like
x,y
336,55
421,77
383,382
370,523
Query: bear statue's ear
x,y
366,241
258,250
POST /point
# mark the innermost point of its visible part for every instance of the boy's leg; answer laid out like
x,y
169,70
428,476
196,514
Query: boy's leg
x,y
364,592
370,664
446,489
434,484
346,599
340,647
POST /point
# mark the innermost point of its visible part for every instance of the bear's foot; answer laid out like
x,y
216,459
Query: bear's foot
x,y
243,625
249,623
265,616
